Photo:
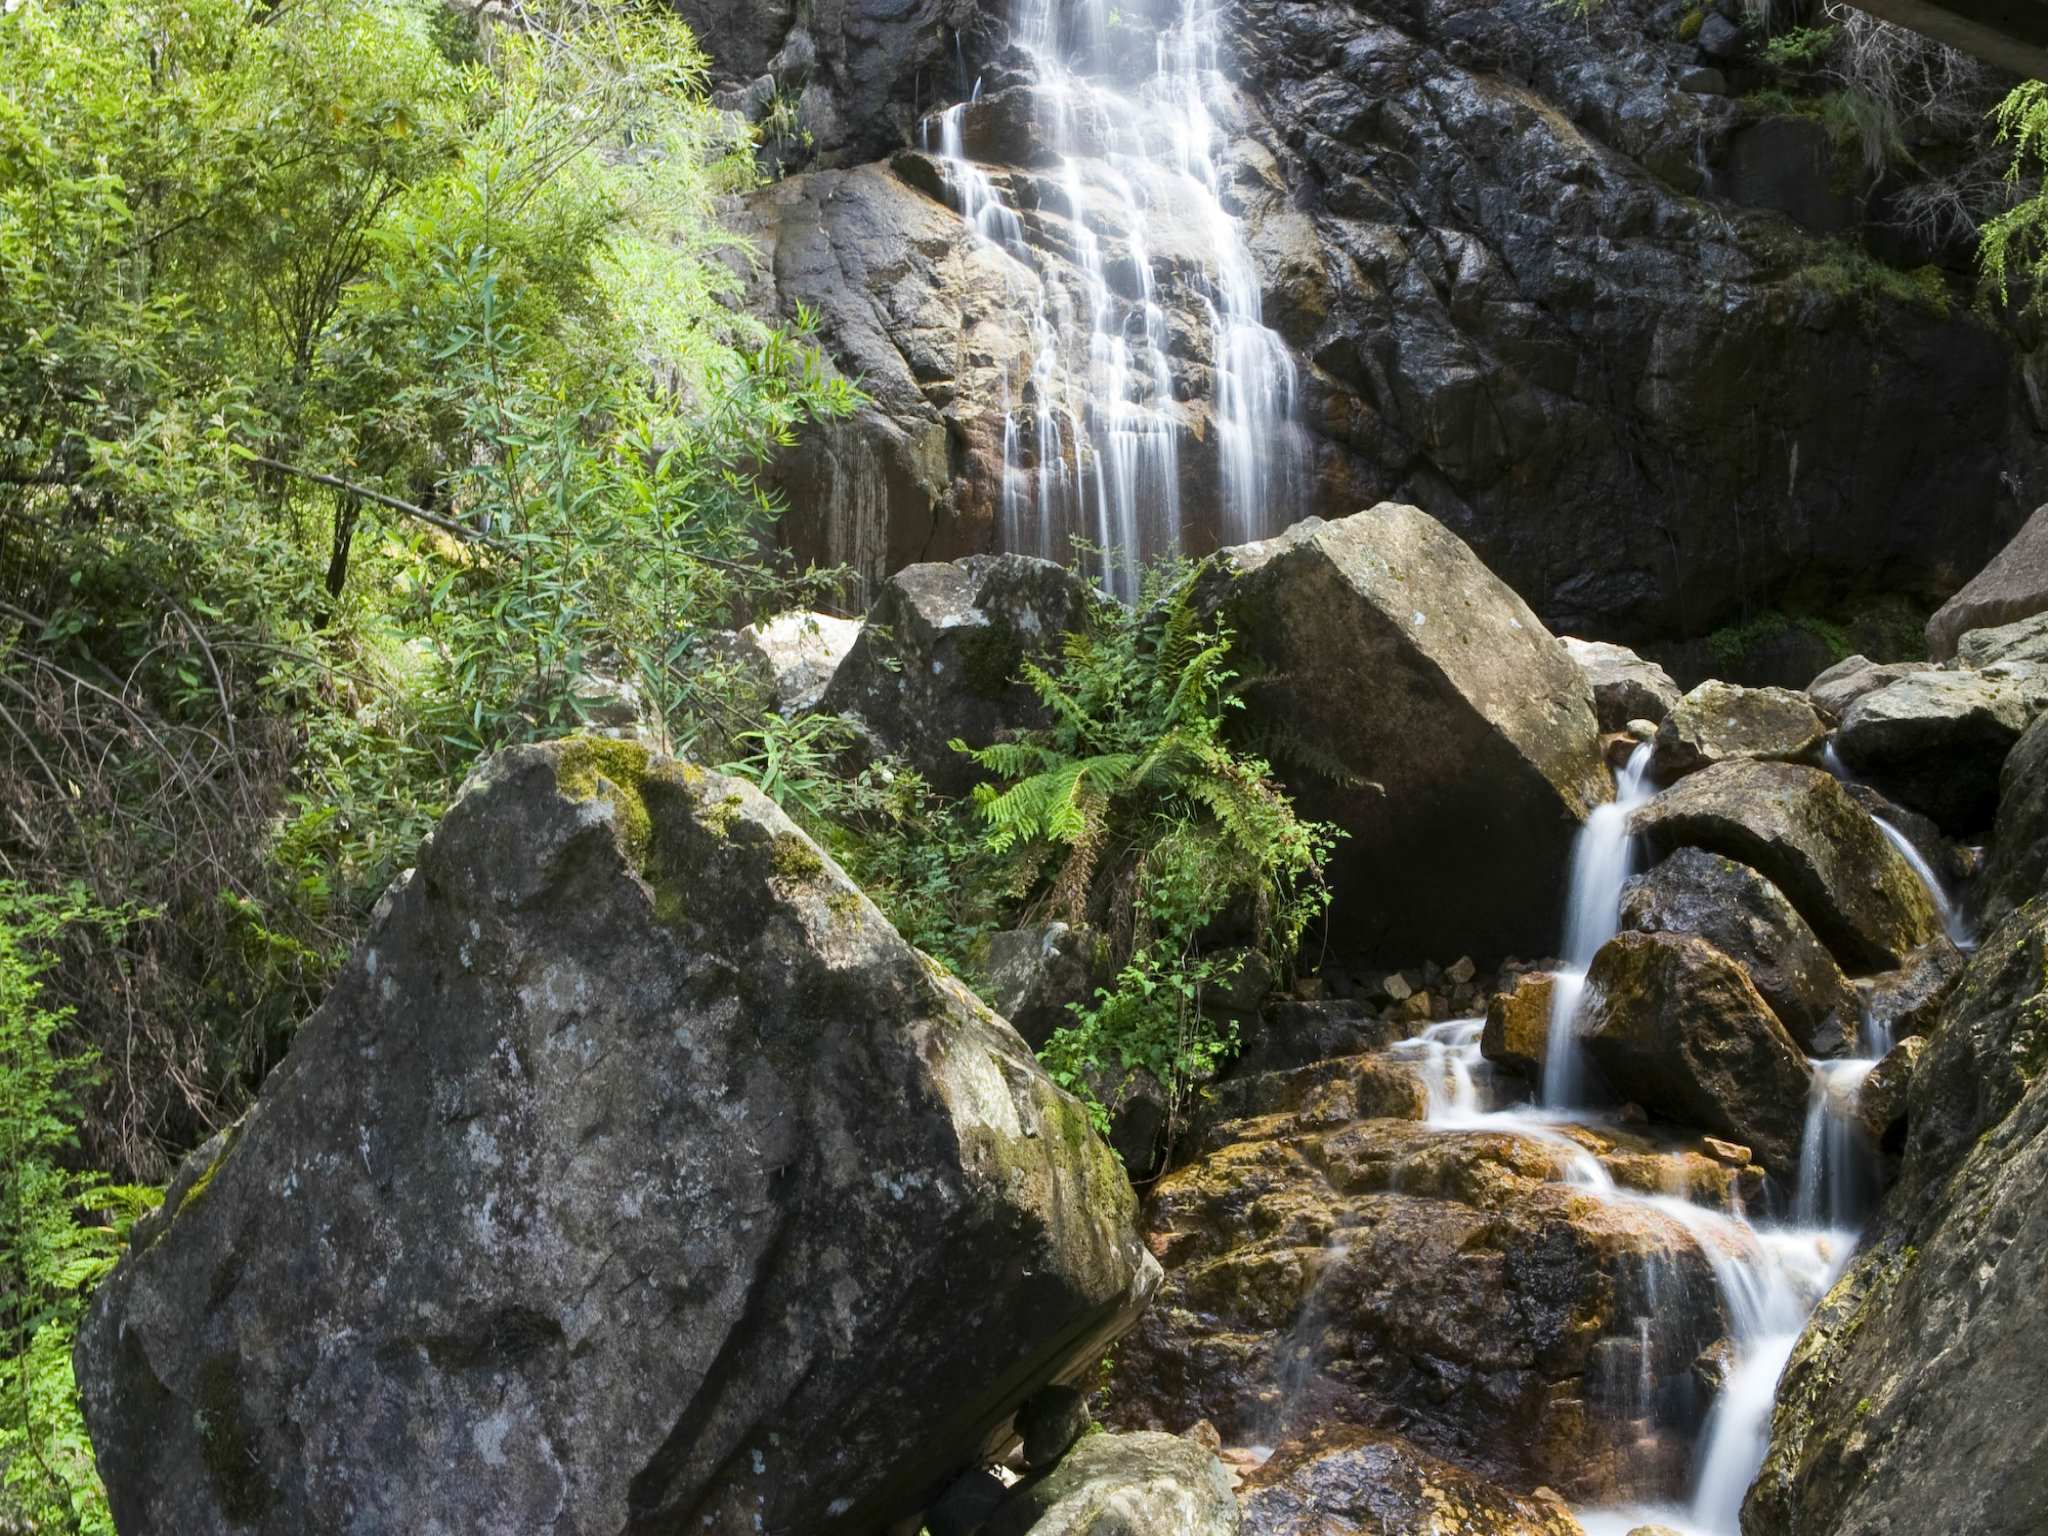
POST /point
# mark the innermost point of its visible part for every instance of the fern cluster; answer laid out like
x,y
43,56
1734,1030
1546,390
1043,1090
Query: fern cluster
x,y
1133,812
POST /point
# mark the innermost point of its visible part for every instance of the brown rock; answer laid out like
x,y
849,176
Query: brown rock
x,y
1517,1033
1881,1102
1797,827
1675,1025
1347,1478
1908,1001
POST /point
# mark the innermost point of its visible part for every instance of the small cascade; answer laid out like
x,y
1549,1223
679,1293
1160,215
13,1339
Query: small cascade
x,y
1602,856
1838,1175
1448,1057
1095,428
1950,910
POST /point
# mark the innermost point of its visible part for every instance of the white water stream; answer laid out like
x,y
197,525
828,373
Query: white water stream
x,y
1770,1274
1094,436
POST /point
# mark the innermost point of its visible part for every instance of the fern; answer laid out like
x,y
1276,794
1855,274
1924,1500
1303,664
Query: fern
x,y
1130,809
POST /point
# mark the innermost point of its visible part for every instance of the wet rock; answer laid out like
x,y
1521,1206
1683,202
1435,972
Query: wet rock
x,y
1050,1423
2017,871
1131,1485
1849,679
1364,1271
1921,831
1935,742
1625,686
796,654
1389,648
1324,1093
1719,721
572,1208
1036,975
1911,1402
1139,1110
937,660
1748,919
1798,828
1881,1103
964,1508
1675,1025
2013,586
1347,1478
1908,1001
1517,1033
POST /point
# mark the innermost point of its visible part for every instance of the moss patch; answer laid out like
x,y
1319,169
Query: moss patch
x,y
794,858
592,768
230,1443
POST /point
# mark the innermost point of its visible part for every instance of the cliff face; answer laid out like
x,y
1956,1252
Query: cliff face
x,y
1611,330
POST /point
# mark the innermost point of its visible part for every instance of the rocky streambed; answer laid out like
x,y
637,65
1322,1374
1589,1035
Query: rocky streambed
x,y
638,1176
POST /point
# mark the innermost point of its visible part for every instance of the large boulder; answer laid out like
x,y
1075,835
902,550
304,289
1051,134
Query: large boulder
x,y
2013,586
1935,741
1124,1485
1327,1264
634,1175
1914,1401
1345,1478
1748,919
937,660
1625,686
1718,721
1467,731
1798,828
1674,1025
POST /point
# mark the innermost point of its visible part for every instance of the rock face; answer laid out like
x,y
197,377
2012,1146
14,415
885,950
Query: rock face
x,y
1459,218
1935,742
1346,1479
1910,1403
1625,687
2018,868
1391,649
1800,830
1124,1485
576,1208
1717,722
1748,919
1909,1000
1324,1265
937,659
1674,1025
2013,586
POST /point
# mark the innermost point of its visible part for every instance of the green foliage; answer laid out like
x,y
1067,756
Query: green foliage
x,y
2013,251
1133,812
1799,47
368,383
60,1231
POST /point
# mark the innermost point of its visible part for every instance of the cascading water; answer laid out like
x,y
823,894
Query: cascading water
x,y
1950,911
1601,858
1131,224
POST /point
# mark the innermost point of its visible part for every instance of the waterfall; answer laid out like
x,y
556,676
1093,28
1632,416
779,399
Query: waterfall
x,y
1095,428
1601,859
1945,906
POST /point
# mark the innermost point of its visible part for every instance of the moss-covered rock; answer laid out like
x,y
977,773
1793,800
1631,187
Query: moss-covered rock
x,y
635,1174
1718,722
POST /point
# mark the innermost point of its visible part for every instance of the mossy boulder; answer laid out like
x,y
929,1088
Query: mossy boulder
x,y
1675,1025
1123,1485
634,1175
1937,741
1717,722
1798,827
